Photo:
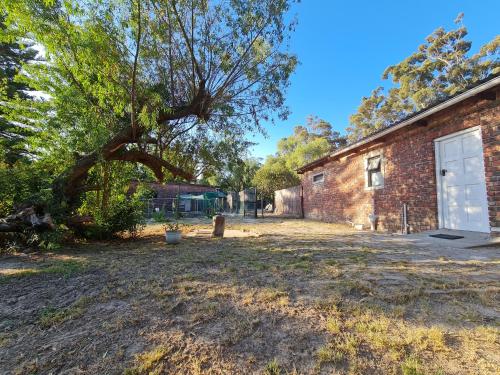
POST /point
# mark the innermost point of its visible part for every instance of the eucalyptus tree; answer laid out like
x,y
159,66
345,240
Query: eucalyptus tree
x,y
440,67
138,80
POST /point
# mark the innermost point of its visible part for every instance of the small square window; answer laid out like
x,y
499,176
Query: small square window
x,y
374,172
318,178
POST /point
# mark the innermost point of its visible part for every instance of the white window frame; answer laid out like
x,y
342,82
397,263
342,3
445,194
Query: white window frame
x,y
368,156
320,181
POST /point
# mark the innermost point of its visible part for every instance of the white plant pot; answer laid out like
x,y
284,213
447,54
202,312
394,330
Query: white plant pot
x,y
173,237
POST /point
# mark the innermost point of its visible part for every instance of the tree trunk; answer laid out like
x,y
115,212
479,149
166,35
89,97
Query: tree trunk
x,y
70,186
26,218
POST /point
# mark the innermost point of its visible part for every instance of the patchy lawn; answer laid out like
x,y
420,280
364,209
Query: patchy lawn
x,y
292,296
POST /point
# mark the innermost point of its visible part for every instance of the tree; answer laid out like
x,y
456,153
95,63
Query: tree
x,y
237,174
136,81
274,175
13,55
442,66
307,143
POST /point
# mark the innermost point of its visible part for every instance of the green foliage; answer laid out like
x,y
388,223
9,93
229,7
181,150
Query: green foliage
x,y
111,204
117,90
171,226
274,175
236,175
24,182
273,368
159,217
123,215
306,144
411,366
13,55
440,67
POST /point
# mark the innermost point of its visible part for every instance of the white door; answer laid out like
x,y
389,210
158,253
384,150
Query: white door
x,y
463,188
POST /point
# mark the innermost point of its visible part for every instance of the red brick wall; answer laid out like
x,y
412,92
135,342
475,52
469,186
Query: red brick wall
x,y
409,173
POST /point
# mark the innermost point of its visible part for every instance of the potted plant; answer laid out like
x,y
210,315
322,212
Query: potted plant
x,y
172,233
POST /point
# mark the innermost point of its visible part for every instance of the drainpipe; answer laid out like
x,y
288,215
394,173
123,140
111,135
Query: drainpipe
x,y
404,229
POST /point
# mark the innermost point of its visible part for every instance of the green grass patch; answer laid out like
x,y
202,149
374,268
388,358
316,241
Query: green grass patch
x,y
272,368
65,268
51,316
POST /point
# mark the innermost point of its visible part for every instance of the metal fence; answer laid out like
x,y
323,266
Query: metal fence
x,y
172,207
243,203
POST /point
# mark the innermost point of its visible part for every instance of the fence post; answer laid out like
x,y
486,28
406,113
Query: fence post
x,y
255,203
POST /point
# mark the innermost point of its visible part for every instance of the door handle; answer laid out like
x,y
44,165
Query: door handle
x,y
443,172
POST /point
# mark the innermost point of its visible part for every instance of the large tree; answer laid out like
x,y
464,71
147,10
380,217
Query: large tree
x,y
140,80
440,67
307,143
13,54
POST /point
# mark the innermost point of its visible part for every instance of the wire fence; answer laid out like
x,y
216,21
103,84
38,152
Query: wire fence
x,y
235,203
177,207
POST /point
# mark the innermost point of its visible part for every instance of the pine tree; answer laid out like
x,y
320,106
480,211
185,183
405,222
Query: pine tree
x,y
439,68
12,57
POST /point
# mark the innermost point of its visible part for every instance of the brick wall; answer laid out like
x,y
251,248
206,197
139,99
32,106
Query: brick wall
x,y
409,173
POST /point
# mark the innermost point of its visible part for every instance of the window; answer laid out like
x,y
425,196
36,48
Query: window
x,y
374,172
318,178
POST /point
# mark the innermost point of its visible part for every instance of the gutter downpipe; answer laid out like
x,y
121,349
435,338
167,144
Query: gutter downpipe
x,y
404,229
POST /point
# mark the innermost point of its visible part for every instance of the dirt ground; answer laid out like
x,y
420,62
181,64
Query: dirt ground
x,y
275,297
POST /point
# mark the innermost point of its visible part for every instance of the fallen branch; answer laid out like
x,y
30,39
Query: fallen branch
x,y
24,219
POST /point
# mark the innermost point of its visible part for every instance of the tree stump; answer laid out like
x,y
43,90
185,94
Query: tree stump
x,y
218,224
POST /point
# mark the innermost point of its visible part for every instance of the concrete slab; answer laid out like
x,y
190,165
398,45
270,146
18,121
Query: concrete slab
x,y
470,240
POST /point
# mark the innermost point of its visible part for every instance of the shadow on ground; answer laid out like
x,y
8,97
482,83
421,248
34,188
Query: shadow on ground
x,y
298,297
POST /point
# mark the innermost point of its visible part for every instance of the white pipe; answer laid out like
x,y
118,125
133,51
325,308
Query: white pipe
x,y
405,219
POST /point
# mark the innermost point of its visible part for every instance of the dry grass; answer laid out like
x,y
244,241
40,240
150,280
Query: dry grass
x,y
296,297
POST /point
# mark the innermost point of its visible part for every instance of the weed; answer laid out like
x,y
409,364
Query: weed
x,y
327,354
272,368
333,325
147,362
411,366
346,343
431,339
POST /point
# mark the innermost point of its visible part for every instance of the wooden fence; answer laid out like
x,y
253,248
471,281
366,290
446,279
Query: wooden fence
x,y
287,202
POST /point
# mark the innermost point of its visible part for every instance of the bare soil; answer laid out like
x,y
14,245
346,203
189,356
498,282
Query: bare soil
x,y
275,297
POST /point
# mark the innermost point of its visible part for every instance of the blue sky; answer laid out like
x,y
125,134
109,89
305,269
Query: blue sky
x,y
344,46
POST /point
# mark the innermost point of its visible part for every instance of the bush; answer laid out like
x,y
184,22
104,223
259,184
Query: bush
x,y
50,240
159,217
125,215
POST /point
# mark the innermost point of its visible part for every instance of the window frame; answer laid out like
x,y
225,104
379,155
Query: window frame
x,y
322,180
368,173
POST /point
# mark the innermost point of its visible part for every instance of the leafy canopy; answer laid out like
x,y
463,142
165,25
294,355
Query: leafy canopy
x,y
307,143
169,84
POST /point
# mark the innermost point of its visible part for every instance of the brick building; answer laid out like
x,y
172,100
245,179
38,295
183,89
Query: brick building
x,y
443,163
171,190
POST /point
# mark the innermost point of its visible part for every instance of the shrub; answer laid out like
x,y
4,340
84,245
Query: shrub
x,y
159,217
125,215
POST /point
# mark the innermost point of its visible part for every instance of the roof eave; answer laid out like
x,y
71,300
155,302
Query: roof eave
x,y
437,108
